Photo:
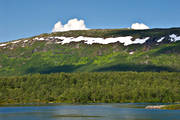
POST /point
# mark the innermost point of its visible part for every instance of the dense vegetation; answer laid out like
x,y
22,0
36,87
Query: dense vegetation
x,y
91,87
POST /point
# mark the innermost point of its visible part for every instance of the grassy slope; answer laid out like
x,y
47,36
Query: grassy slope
x,y
41,57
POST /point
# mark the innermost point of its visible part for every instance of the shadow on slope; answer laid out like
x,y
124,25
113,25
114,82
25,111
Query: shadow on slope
x,y
169,49
119,67
56,69
135,67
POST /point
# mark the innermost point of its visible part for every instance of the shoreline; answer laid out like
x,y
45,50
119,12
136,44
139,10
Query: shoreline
x,y
172,106
164,107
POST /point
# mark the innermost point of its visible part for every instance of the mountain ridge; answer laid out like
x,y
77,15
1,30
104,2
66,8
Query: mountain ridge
x,y
65,33
47,54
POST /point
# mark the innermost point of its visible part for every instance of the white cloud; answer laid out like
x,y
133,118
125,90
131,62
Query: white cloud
x,y
139,26
73,24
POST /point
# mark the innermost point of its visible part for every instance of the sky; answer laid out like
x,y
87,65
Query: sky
x,y
26,18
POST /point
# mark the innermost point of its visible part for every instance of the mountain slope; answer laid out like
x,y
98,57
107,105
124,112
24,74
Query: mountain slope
x,y
93,51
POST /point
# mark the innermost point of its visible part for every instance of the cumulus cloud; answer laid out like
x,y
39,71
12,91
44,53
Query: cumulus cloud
x,y
139,26
73,24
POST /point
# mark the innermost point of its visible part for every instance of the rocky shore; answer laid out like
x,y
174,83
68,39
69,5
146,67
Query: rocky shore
x,y
167,107
155,107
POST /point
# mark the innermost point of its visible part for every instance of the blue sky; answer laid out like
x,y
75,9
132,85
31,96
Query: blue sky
x,y
25,18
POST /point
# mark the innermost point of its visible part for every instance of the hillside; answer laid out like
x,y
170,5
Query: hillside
x,y
93,51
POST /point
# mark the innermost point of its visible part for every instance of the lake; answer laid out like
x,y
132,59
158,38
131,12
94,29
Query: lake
x,y
126,111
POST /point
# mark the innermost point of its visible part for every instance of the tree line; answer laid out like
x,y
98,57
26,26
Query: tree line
x,y
95,87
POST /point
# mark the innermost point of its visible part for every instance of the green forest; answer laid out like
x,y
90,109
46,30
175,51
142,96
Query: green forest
x,y
91,87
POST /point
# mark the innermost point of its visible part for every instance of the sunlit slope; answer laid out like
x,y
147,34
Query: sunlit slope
x,y
47,54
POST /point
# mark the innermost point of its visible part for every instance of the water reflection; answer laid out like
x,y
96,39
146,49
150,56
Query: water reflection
x,y
87,112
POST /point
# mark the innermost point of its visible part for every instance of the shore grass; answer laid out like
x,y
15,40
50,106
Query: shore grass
x,y
172,107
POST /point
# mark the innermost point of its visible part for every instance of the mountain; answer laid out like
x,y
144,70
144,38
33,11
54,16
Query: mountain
x,y
98,50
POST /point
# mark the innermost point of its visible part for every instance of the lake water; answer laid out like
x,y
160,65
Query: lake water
x,y
86,112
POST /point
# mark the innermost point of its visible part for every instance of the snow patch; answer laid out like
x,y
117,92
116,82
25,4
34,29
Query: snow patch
x,y
90,40
174,38
36,38
2,45
161,39
131,53
140,41
25,41
39,39
16,42
56,37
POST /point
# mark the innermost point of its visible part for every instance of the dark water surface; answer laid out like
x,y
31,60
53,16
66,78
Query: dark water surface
x,y
86,112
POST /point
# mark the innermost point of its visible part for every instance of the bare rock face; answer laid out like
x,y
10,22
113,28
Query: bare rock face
x,y
77,46
49,42
35,50
99,53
